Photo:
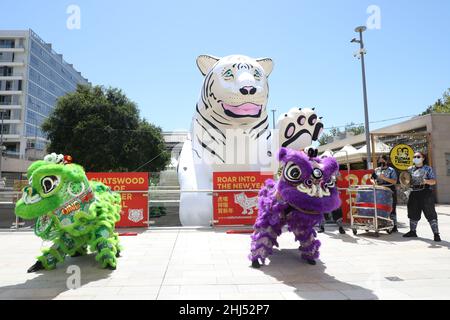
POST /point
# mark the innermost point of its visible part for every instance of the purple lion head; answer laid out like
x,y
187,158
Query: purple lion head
x,y
308,183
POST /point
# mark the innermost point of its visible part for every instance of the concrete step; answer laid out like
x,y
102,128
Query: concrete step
x,y
168,178
162,197
170,219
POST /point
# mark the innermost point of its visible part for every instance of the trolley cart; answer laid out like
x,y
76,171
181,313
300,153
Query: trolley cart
x,y
371,209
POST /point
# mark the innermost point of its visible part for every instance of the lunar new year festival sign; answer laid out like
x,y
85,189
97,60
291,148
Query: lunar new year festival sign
x,y
241,206
133,188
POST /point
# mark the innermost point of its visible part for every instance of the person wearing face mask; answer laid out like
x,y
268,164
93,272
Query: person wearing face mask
x,y
421,197
386,176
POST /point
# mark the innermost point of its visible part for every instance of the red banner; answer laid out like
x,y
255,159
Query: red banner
x,y
134,204
240,207
355,177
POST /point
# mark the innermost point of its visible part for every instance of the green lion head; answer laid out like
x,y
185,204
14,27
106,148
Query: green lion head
x,y
52,183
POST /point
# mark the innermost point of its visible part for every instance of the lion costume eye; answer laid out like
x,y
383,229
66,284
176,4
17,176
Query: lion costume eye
x,y
49,183
292,172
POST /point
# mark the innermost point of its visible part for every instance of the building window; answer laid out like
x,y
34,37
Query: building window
x,y
6,71
5,100
4,129
6,43
6,114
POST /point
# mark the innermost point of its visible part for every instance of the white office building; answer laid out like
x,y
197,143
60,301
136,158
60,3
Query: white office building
x,y
32,77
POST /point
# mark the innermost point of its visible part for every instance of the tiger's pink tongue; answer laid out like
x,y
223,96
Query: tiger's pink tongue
x,y
250,109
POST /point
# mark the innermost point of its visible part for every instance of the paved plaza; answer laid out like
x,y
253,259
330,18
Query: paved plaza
x,y
211,264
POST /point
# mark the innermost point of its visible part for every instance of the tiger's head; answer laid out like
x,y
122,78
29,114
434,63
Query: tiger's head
x,y
235,87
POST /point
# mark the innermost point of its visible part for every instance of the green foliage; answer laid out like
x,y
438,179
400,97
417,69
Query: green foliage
x,y
324,139
102,130
441,105
355,129
335,131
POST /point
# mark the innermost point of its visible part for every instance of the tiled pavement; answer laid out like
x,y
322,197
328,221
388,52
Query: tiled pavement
x,y
208,264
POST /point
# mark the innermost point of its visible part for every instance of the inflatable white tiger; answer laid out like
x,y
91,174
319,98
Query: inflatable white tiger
x,y
230,130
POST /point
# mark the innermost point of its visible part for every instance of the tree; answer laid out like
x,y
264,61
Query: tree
x,y
355,128
335,131
102,130
441,105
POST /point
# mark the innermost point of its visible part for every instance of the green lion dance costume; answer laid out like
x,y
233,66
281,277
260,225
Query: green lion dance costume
x,y
71,211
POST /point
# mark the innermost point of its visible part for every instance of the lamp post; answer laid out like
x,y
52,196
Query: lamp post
x,y
273,118
360,55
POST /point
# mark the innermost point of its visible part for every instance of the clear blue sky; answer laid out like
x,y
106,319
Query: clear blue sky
x,y
148,48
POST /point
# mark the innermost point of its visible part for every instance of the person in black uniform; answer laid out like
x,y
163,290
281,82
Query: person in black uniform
x,y
421,197
386,176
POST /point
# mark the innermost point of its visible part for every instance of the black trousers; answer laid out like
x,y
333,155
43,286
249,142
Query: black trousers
x,y
419,201
337,214
394,200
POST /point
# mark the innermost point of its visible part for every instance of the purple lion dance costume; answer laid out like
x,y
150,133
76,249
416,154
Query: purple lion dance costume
x,y
305,191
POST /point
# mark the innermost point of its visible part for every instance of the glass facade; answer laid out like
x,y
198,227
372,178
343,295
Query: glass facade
x,y
49,77
39,76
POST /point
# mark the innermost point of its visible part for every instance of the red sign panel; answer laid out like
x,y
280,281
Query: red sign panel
x,y
240,207
355,177
134,204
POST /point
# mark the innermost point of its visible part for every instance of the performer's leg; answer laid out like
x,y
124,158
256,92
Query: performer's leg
x,y
302,225
322,225
49,259
414,212
430,213
264,238
106,245
73,247
413,225
394,209
337,217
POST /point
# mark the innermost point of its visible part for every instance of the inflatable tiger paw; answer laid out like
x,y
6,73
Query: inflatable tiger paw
x,y
298,128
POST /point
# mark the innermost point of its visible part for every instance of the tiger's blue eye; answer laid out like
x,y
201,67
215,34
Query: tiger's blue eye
x,y
257,74
228,73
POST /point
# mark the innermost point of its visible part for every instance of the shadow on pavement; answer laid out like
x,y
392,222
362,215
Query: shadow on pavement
x,y
50,284
333,234
295,272
394,237
398,237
